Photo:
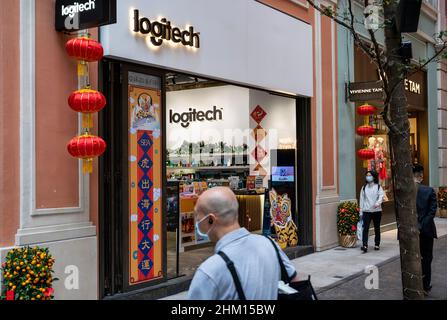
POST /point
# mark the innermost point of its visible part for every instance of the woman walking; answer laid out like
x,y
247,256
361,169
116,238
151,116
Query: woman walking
x,y
371,198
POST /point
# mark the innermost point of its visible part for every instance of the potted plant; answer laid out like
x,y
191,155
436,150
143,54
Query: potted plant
x,y
347,219
27,274
442,201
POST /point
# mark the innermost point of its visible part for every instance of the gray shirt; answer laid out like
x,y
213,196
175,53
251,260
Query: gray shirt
x,y
255,261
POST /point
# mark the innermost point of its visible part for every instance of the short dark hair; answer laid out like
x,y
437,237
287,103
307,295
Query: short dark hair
x,y
417,168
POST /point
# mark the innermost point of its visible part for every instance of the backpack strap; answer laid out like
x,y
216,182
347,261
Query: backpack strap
x,y
237,282
284,276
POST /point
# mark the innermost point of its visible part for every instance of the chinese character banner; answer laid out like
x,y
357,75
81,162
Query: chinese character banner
x,y
145,207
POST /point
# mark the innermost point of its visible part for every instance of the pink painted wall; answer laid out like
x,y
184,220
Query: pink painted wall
x,y
9,122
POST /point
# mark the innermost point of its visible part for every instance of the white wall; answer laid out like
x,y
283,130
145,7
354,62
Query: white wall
x,y
240,41
233,100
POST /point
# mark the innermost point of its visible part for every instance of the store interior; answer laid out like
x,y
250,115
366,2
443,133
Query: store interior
x,y
226,135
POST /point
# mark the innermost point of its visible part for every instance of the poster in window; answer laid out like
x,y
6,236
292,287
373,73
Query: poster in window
x,y
145,178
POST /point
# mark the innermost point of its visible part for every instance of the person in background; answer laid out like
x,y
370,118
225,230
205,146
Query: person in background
x,y
254,256
426,204
371,198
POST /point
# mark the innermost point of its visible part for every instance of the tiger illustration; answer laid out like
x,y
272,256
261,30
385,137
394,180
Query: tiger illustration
x,y
280,211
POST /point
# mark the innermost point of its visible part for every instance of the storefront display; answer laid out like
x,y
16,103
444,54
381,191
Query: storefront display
x,y
372,141
195,123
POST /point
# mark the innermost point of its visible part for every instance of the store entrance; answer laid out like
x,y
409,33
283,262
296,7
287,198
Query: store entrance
x,y
171,137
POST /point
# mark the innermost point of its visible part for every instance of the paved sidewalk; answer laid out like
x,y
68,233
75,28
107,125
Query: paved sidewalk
x,y
332,268
390,282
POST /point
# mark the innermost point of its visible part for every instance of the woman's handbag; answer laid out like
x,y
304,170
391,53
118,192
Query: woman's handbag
x,y
305,290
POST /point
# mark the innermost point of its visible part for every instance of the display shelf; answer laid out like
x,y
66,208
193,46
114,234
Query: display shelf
x,y
184,235
207,168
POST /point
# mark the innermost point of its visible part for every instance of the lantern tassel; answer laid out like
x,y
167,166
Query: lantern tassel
x,y
365,164
87,165
87,120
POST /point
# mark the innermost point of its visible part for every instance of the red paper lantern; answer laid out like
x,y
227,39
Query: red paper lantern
x,y
365,130
86,147
366,154
366,110
84,49
87,101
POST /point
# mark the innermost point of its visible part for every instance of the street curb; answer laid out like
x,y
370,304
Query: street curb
x,y
360,273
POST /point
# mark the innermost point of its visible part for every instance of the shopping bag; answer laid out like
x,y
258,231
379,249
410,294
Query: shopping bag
x,y
359,229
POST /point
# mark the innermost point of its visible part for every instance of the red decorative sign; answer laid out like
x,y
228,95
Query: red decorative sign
x,y
258,114
259,153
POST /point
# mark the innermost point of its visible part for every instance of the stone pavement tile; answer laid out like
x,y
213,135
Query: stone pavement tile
x,y
390,285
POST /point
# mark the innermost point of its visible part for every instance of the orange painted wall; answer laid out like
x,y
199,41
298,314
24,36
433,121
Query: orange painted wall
x,y
56,171
293,9
9,122
56,124
327,92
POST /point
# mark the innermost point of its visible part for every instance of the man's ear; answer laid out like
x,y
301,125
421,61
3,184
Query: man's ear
x,y
212,218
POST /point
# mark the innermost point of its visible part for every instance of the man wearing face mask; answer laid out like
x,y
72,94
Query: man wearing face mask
x,y
254,257
426,204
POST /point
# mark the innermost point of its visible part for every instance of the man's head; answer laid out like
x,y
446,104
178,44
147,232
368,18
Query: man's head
x,y
418,173
216,212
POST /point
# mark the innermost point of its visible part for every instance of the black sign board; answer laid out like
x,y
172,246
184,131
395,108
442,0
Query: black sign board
x,y
365,91
75,15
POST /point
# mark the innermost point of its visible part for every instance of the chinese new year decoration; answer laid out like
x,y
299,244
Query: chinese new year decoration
x,y
28,274
86,147
366,130
85,100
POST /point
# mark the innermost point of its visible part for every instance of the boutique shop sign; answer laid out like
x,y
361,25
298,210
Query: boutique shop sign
x,y
72,15
373,90
163,30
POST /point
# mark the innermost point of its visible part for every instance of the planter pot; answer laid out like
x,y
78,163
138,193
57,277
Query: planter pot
x,y
443,213
347,241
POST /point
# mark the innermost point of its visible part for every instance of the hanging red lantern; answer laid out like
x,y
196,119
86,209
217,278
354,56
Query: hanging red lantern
x,y
87,102
366,154
366,130
84,49
86,147
366,110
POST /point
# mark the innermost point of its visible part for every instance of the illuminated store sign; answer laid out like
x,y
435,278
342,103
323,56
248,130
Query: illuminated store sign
x,y
74,15
193,115
163,30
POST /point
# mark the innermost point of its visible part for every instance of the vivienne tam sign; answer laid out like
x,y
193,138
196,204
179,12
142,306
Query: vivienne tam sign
x,y
72,15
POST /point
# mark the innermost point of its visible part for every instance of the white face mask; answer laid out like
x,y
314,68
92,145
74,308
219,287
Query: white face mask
x,y
200,233
369,179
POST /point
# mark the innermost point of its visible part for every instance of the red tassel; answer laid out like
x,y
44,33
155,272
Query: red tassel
x,y
10,295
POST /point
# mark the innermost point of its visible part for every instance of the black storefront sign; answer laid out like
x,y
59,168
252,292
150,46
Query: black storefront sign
x,y
365,91
75,15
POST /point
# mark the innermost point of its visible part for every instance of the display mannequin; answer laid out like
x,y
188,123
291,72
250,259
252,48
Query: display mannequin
x,y
371,146
381,159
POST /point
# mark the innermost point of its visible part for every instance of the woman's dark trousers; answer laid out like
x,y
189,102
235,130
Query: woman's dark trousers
x,y
375,217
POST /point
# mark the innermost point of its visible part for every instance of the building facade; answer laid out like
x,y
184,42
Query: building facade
x,y
264,72
442,100
423,99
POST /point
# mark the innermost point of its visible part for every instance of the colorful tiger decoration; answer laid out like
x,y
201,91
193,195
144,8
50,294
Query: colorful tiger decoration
x,y
280,211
